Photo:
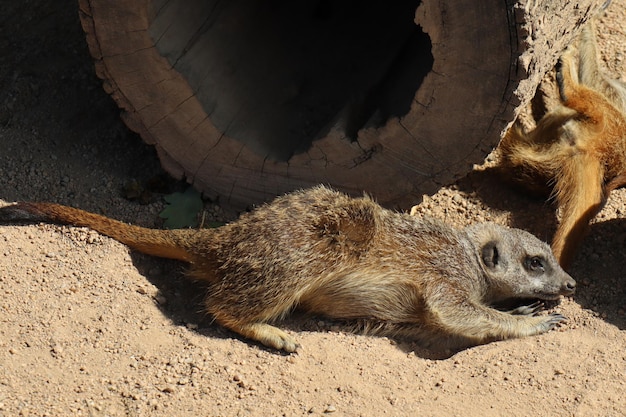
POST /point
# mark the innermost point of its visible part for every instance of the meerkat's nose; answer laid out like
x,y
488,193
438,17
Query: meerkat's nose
x,y
568,287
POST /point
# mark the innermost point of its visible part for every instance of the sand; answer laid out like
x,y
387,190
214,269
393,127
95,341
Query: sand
x,y
88,328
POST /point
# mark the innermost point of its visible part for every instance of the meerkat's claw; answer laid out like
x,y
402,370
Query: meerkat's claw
x,y
543,324
529,310
553,320
557,317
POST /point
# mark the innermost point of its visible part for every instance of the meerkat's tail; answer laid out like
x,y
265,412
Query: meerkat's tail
x,y
163,243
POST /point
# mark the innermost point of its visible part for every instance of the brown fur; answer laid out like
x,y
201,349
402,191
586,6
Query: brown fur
x,y
578,148
347,258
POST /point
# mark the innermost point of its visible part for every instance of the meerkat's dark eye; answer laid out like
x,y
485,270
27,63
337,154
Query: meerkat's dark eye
x,y
535,264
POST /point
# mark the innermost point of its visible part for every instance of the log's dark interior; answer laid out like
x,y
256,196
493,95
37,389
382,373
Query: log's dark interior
x,y
278,74
252,99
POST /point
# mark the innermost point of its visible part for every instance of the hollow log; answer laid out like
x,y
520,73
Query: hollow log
x,y
248,100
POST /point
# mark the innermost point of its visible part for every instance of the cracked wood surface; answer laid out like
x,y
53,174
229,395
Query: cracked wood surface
x,y
488,58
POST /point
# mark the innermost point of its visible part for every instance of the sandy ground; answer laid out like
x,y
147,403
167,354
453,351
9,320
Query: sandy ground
x,y
89,329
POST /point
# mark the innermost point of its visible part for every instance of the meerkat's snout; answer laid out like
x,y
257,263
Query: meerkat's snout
x,y
569,286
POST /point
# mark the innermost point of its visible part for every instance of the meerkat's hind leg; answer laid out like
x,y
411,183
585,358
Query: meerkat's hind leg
x,y
268,335
256,329
246,307
263,333
566,77
589,71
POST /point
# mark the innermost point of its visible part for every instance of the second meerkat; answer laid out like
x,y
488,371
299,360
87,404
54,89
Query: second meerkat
x,y
578,148
348,258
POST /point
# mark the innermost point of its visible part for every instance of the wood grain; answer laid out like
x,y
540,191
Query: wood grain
x,y
248,100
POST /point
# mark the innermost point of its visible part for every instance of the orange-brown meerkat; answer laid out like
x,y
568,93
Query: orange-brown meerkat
x,y
578,149
346,258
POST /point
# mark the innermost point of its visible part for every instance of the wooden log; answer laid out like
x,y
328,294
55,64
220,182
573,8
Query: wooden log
x,y
248,100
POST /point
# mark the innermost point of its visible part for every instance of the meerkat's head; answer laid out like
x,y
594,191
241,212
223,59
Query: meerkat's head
x,y
517,264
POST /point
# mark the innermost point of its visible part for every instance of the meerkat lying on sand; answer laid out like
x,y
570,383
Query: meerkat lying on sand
x,y
346,258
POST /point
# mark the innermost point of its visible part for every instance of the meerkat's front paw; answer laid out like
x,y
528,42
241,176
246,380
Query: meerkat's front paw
x,y
529,310
549,322
554,319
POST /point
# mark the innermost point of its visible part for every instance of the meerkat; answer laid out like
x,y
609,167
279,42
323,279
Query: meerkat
x,y
349,258
577,149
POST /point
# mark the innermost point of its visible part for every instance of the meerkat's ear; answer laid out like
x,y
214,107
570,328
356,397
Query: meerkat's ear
x,y
490,255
